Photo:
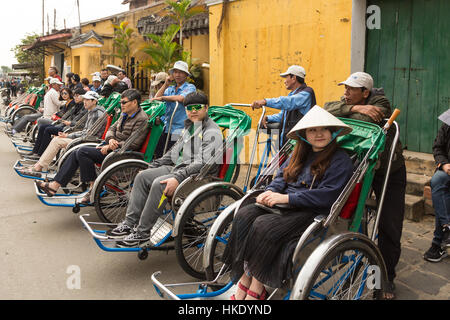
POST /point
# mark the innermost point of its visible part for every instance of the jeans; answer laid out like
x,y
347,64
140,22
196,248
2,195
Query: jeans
x,y
44,137
144,207
440,194
20,125
84,158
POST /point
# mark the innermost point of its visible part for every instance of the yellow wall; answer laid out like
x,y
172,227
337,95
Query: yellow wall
x,y
261,38
199,47
89,59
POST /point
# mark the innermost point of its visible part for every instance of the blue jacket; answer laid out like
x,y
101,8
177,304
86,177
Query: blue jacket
x,y
324,192
292,107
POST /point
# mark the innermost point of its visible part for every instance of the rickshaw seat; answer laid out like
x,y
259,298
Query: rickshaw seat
x,y
108,124
33,100
226,163
352,202
146,141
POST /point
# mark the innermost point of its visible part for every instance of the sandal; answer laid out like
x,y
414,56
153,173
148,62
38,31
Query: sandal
x,y
31,173
389,290
242,287
45,186
261,296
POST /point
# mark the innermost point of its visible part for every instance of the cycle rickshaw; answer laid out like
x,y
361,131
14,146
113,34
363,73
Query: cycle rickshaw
x,y
186,231
73,195
112,113
26,104
336,257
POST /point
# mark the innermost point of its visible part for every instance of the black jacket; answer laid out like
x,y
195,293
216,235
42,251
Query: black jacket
x,y
441,146
376,98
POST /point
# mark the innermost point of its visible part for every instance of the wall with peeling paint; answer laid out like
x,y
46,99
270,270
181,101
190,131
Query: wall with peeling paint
x,y
261,38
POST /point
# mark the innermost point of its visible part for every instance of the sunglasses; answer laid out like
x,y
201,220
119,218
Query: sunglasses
x,y
195,107
64,93
125,102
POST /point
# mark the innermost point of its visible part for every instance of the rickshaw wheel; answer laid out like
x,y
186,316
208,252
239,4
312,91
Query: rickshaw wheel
x,y
194,227
215,258
143,254
112,194
342,274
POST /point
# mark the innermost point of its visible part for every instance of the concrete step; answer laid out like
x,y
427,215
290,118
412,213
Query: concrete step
x,y
419,163
428,201
414,207
415,183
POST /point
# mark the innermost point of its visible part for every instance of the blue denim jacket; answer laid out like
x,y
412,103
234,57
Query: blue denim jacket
x,y
300,101
180,115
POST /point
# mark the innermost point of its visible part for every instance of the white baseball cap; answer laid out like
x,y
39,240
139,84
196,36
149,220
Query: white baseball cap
x,y
318,117
91,95
359,80
55,81
160,77
295,70
96,78
182,66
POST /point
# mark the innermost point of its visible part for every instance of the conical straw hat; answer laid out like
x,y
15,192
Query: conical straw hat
x,y
318,117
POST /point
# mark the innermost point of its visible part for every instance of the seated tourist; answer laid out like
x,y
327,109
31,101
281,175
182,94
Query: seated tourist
x,y
307,184
200,140
133,118
62,140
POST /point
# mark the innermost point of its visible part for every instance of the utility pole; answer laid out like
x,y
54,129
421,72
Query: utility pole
x,y
79,17
43,17
43,34
54,19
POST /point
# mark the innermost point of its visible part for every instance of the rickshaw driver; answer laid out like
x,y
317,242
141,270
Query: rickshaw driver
x,y
200,141
293,106
171,94
363,102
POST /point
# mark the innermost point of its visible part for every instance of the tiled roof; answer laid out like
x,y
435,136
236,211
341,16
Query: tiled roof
x,y
49,39
198,24
82,38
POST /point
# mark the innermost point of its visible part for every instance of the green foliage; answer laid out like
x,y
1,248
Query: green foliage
x,y
122,42
162,50
180,11
33,57
5,69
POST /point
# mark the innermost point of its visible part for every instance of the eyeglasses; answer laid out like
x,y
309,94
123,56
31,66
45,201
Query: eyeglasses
x,y
64,93
125,102
195,107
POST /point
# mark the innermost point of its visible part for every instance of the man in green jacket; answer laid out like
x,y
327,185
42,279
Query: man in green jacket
x,y
363,102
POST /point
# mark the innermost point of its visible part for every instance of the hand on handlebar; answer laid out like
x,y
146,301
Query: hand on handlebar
x,y
264,122
258,104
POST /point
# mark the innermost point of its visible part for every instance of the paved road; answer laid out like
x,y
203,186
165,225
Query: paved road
x,y
40,244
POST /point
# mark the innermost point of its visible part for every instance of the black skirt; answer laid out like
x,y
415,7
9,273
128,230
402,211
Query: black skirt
x,y
265,242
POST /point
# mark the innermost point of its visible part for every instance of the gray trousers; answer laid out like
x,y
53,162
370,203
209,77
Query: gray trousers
x,y
20,125
144,207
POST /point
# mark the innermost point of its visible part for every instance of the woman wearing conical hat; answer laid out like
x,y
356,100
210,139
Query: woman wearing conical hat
x,y
262,242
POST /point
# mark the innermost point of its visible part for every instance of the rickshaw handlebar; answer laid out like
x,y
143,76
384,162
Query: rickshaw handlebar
x,y
391,119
